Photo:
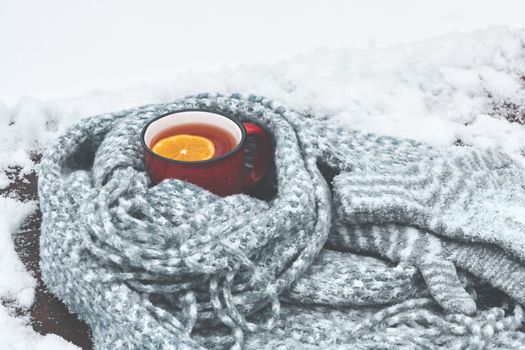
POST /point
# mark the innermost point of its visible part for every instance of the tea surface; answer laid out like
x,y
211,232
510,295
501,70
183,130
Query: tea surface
x,y
223,141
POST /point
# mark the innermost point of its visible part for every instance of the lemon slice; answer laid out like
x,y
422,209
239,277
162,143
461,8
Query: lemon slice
x,y
187,148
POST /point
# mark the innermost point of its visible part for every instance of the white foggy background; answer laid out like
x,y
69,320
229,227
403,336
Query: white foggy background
x,y
60,48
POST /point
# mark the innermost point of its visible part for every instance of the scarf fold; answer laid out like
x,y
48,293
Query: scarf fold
x,y
174,266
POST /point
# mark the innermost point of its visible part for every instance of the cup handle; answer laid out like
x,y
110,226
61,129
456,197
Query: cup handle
x,y
262,154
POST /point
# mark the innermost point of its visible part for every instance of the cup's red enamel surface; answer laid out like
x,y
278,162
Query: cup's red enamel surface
x,y
224,175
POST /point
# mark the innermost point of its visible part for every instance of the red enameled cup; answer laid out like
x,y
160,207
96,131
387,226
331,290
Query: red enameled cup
x,y
224,175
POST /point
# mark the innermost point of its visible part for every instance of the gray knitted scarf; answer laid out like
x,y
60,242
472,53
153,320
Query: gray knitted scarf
x,y
393,253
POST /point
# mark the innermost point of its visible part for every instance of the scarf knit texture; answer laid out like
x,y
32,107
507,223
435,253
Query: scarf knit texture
x,y
371,242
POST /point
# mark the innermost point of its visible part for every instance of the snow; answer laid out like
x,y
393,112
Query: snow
x,y
437,91
57,48
17,286
17,334
16,283
376,70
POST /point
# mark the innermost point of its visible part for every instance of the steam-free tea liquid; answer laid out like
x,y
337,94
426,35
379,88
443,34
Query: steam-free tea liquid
x,y
193,142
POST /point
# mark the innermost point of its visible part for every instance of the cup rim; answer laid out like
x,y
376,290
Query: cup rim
x,y
207,161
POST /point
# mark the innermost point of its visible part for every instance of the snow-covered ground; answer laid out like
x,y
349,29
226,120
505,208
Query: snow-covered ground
x,y
368,76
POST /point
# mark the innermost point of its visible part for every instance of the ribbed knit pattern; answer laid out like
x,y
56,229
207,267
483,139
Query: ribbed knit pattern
x,y
414,247
469,202
173,266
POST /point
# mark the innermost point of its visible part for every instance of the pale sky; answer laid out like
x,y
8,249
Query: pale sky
x,y
59,48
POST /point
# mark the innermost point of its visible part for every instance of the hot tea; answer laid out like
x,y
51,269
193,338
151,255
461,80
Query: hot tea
x,y
193,142
205,148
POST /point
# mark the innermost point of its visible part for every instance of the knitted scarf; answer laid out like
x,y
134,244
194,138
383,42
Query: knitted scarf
x,y
390,254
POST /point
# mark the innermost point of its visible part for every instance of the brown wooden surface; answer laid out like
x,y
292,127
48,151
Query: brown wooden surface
x,y
48,314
